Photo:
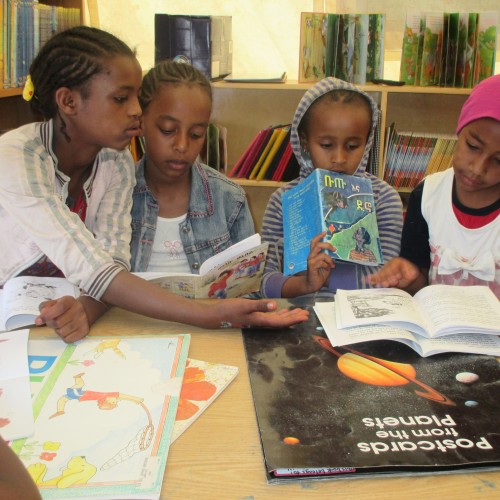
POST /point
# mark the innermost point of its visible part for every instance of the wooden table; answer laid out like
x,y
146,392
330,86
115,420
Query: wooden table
x,y
220,457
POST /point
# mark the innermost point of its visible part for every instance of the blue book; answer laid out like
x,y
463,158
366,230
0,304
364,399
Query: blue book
x,y
341,205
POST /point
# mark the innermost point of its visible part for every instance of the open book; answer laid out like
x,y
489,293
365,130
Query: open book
x,y
22,295
438,318
341,205
455,342
234,272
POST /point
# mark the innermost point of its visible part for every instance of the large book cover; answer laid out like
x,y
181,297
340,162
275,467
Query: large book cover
x,y
486,45
375,49
104,411
376,408
312,49
332,38
341,205
409,56
470,50
430,52
361,33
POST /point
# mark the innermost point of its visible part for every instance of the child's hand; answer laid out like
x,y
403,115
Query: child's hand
x,y
319,263
244,312
66,316
399,272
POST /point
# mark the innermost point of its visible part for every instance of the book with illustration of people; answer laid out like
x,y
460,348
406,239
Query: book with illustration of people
x,y
233,272
370,409
341,205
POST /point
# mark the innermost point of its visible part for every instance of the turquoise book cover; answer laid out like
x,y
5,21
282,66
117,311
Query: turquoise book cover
x,y
340,205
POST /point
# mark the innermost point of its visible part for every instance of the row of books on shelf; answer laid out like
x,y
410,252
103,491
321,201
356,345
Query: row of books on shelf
x,y
26,26
410,156
456,49
346,46
269,156
213,152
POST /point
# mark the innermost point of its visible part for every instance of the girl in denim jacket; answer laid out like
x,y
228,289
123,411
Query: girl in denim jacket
x,y
184,212
66,192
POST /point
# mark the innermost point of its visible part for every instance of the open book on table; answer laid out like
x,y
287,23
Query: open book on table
x,y
22,295
343,206
456,342
233,272
434,311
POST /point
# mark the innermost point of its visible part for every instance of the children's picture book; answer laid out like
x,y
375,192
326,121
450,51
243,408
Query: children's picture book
x,y
373,409
16,415
22,295
203,383
434,311
409,57
429,69
487,28
340,205
104,412
231,273
455,342
313,27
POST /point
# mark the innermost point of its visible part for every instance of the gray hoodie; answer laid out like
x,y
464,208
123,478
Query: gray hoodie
x,y
388,206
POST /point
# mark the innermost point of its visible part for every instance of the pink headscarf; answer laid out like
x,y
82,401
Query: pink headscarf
x,y
483,102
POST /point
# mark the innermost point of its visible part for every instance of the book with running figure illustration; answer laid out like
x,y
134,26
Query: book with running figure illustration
x,y
233,272
343,206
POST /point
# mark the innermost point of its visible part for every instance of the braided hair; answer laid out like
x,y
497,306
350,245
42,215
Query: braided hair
x,y
174,73
70,59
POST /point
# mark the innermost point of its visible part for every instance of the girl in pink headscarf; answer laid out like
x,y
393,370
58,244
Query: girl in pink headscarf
x,y
451,233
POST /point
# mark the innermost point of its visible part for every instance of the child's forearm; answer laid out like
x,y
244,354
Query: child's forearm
x,y
94,309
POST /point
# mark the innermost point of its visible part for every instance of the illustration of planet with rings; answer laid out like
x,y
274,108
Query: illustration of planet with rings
x,y
375,371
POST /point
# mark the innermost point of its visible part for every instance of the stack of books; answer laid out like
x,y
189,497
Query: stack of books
x,y
26,26
410,156
346,46
448,49
268,157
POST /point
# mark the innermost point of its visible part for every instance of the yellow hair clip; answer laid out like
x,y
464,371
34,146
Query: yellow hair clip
x,y
29,89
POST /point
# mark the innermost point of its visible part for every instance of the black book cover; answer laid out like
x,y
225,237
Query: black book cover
x,y
185,38
376,408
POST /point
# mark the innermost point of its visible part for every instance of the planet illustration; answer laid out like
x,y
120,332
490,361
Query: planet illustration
x,y
375,371
471,404
467,377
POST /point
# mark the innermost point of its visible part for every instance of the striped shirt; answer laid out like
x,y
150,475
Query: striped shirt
x,y
35,220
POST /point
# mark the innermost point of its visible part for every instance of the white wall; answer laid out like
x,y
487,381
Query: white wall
x,y
266,33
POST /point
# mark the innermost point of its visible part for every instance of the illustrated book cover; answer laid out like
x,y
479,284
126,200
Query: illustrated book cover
x,y
22,295
341,205
455,342
203,383
434,311
104,411
233,272
16,415
374,409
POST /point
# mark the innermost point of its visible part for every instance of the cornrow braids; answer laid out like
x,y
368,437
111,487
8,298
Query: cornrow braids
x,y
173,73
70,59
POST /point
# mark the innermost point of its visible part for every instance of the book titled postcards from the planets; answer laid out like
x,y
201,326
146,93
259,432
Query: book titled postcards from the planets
x,y
370,409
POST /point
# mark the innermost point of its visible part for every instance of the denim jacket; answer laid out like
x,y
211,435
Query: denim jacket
x,y
218,217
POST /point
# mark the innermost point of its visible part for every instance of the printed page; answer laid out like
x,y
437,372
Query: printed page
x,y
22,296
16,414
460,309
471,343
388,306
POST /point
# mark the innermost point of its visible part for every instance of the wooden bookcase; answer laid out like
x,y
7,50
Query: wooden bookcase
x,y
14,111
246,108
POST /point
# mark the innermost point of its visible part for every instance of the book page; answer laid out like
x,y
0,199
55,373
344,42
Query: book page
x,y
22,296
378,306
460,309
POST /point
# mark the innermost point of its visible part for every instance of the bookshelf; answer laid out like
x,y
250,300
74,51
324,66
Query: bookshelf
x,y
13,110
246,108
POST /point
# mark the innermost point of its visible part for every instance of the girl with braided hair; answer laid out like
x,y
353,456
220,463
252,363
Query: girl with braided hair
x,y
66,192
184,212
